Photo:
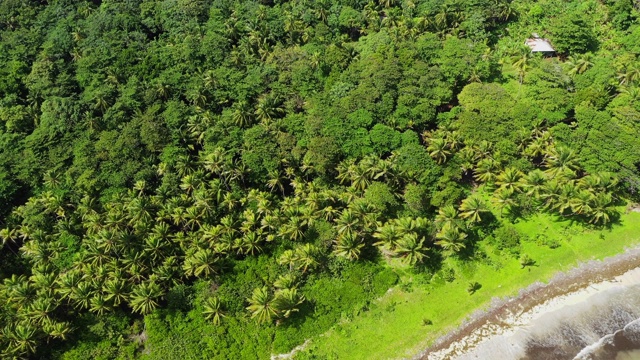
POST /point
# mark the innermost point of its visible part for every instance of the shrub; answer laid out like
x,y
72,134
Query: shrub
x,y
507,238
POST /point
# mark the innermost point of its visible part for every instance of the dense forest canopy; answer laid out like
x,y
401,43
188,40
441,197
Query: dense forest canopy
x,y
241,171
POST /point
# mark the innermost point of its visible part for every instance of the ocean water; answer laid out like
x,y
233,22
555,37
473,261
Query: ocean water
x,y
628,355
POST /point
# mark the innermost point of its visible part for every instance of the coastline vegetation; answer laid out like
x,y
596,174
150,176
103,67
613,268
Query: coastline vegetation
x,y
394,326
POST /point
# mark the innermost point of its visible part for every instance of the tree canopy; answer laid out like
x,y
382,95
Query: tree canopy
x,y
244,170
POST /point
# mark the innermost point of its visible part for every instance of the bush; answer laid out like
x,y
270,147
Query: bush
x,y
448,274
507,238
544,240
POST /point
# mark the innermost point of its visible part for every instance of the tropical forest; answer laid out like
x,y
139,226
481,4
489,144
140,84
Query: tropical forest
x,y
326,179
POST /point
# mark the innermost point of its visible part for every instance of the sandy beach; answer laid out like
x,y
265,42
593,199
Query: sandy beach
x,y
506,316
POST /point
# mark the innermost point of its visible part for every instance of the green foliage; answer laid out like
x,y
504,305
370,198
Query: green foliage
x,y
384,139
621,13
382,197
189,165
571,34
488,112
508,239
416,198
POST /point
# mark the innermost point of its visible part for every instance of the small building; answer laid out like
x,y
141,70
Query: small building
x,y
540,45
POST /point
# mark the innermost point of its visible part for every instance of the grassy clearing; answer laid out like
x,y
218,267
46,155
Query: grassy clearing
x,y
394,327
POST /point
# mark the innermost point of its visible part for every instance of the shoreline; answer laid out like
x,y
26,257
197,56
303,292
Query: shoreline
x,y
536,294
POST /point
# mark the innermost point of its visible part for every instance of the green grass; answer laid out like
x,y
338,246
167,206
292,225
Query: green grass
x,y
393,327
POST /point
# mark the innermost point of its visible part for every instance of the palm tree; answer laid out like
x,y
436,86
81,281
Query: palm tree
x,y
286,281
387,235
601,208
162,91
344,169
366,212
39,310
550,193
306,256
578,65
361,177
503,198
116,291
589,182
200,262
212,310
267,108
451,239
486,170
567,193
520,62
629,75
99,305
505,10
286,301
288,258
262,305
447,216
101,103
144,298
483,149
154,247
349,245
215,161
275,181
581,202
439,150
197,98
632,92
242,115
209,80
607,181
251,243
387,3
407,225
82,294
533,183
293,229
561,161
67,282
191,182
510,179
472,207
598,182
441,19
56,329
250,221
348,222
22,338
8,235
44,280
468,158
412,248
